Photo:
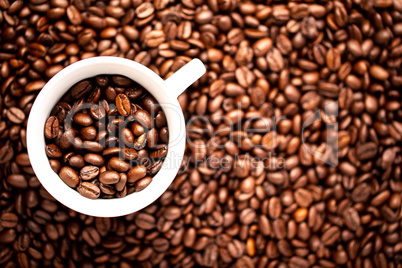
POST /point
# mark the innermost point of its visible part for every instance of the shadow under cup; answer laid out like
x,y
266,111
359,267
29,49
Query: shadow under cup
x,y
52,93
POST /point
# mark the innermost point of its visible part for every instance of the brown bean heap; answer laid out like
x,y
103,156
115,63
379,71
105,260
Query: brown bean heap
x,y
107,137
264,58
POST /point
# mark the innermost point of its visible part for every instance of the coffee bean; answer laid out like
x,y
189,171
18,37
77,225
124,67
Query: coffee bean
x,y
82,119
52,127
81,89
235,248
120,186
76,161
118,164
247,216
275,60
155,167
97,112
144,118
127,136
361,193
136,173
145,221
123,104
8,220
129,153
109,177
333,59
352,219
88,190
380,198
94,159
92,146
303,197
53,151
160,152
378,72
88,173
172,213
69,176
91,236
7,236
74,15
6,153
112,151
140,142
298,262
274,208
15,115
88,133
330,236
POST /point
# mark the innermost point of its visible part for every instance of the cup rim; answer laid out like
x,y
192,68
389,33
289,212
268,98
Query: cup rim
x,y
50,95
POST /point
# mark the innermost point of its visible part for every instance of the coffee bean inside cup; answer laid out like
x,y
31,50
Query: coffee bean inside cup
x,y
106,137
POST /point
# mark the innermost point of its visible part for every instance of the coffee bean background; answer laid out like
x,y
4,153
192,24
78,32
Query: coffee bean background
x,y
264,58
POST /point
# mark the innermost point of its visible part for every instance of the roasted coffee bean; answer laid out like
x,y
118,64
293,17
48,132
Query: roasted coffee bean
x,y
88,173
7,236
366,151
81,89
76,161
303,197
247,216
92,146
8,220
69,176
121,80
330,236
136,173
275,208
127,137
17,180
159,152
53,151
52,127
88,133
82,119
152,138
109,177
352,219
118,164
145,221
15,115
122,182
123,104
137,129
140,142
6,153
155,167
333,59
144,118
97,112
94,159
142,183
88,190
129,153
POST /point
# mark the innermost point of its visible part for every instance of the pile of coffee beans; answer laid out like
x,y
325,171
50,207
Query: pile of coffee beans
x,y
107,135
322,189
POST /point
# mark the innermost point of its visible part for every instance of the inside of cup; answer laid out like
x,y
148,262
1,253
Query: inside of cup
x,y
51,94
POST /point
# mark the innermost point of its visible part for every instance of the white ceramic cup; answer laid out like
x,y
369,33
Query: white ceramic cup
x,y
165,92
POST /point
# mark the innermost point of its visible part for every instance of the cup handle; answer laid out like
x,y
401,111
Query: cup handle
x,y
184,77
